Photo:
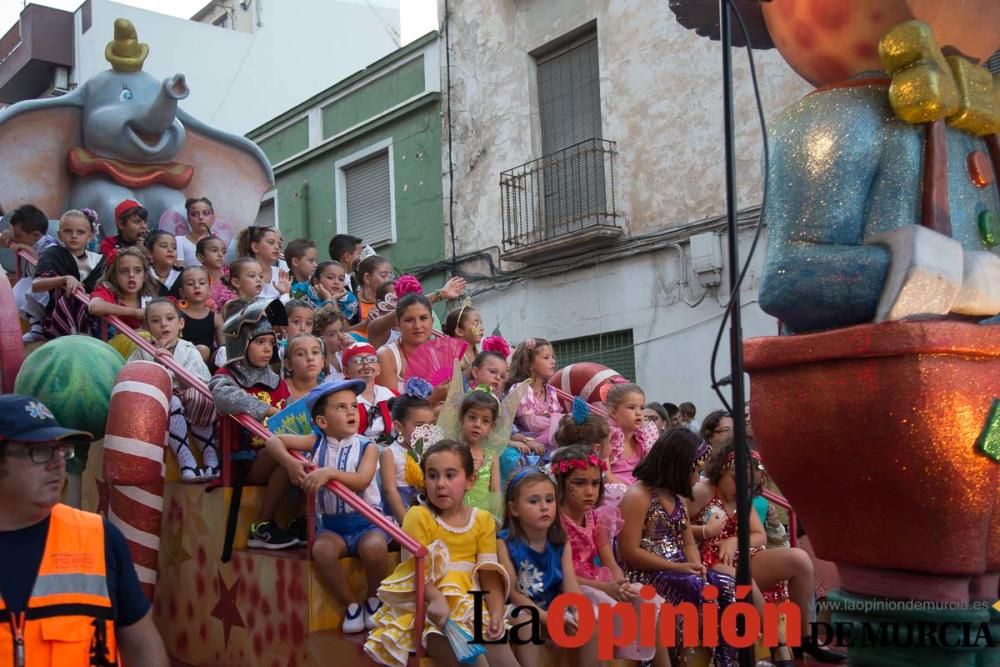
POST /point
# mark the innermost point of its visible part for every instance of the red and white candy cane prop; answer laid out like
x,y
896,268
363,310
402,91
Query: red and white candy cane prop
x,y
134,442
11,345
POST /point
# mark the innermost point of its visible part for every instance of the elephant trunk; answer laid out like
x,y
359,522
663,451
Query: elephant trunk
x,y
163,109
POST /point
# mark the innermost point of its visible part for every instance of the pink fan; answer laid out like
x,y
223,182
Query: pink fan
x,y
434,361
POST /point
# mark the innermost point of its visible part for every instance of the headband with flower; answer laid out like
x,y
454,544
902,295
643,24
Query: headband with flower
x,y
496,344
566,466
485,389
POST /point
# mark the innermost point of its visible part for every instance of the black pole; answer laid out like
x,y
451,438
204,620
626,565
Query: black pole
x,y
735,326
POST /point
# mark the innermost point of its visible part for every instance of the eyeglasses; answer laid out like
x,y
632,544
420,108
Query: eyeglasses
x,y
362,361
44,453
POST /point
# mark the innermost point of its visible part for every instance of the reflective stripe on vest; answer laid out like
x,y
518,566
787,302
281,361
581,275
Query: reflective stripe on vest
x,y
68,620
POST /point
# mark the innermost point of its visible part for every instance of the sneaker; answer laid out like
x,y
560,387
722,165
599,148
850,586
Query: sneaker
x,y
268,535
372,605
354,619
191,475
33,335
299,529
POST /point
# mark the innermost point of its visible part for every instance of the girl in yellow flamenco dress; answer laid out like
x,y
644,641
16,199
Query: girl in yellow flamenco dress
x,y
462,557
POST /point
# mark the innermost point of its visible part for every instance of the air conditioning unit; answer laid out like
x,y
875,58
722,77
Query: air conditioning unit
x,y
706,258
59,84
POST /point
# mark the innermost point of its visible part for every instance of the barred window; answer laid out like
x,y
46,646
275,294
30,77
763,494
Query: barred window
x,y
614,350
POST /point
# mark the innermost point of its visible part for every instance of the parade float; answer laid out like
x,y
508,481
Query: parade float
x,y
877,412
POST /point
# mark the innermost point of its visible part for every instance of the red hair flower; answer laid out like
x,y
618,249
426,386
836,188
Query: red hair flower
x,y
496,344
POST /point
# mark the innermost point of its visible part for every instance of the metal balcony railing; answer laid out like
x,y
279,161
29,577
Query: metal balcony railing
x,y
560,194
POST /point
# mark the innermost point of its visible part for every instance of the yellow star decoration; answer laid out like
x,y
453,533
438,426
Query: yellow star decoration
x,y
174,548
996,605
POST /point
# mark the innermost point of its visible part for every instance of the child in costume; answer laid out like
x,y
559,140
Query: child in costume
x,y
190,410
466,324
579,475
301,256
301,316
247,385
374,418
631,435
211,252
264,245
29,231
462,557
163,271
331,326
125,288
533,549
303,364
656,545
539,413
340,454
410,411
200,218
71,267
329,285
130,218
202,326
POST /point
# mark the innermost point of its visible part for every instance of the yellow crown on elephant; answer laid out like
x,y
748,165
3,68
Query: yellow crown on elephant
x,y
124,52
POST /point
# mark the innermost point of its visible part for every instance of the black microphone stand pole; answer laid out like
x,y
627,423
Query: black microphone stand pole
x,y
735,326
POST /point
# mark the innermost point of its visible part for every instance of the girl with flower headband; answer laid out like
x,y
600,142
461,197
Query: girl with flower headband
x,y
579,474
411,414
539,413
656,544
466,324
538,558
779,573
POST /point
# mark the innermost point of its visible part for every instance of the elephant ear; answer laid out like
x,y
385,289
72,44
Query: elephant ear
x,y
229,169
35,138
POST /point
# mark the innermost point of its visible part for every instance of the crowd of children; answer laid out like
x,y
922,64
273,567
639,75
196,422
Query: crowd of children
x,y
513,491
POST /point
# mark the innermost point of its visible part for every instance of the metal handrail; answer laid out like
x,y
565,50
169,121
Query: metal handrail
x,y
418,550
793,522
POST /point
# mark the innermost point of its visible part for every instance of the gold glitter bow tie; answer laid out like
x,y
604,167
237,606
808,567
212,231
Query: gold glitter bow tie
x,y
927,86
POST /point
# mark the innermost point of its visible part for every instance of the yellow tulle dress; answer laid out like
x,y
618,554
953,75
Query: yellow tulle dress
x,y
455,558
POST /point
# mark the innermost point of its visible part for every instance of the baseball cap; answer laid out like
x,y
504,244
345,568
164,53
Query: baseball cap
x,y
27,419
331,387
126,205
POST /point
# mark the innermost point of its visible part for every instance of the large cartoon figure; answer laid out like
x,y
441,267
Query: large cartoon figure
x,y
121,135
880,417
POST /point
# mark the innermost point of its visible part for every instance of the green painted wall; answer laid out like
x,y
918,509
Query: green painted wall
x,y
307,203
374,98
291,140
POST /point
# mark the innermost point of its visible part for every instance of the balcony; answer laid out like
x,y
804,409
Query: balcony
x,y
560,202
32,51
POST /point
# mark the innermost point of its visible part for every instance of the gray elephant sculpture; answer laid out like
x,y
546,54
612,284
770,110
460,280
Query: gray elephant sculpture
x,y
121,135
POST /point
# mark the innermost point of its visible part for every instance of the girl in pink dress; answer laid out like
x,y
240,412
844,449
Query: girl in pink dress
x,y
579,477
539,413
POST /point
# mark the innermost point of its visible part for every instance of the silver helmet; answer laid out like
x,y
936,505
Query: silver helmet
x,y
257,318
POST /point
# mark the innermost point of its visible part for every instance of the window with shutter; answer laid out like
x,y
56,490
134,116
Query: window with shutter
x,y
614,350
569,109
368,199
266,214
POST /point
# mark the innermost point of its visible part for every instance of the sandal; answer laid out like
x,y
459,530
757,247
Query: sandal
x,y
210,472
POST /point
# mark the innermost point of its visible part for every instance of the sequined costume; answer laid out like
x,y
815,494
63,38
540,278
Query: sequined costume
x,y
710,547
455,558
663,535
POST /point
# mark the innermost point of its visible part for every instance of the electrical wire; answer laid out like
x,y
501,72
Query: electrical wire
x,y
763,207
451,159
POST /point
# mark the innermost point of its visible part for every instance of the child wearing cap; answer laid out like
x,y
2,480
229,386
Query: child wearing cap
x,y
130,217
374,419
247,385
340,454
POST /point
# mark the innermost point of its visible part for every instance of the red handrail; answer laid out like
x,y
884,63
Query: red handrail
x,y
418,550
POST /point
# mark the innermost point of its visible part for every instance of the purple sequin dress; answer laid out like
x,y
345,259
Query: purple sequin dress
x,y
663,535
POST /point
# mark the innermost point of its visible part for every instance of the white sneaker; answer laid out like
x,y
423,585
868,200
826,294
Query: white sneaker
x,y
354,619
32,336
372,605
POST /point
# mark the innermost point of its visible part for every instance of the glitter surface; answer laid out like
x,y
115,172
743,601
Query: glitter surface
x,y
870,432
980,169
989,439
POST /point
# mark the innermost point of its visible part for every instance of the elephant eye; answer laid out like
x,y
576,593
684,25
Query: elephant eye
x,y
125,95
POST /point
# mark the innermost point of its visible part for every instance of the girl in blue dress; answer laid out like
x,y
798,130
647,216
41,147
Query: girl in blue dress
x,y
534,550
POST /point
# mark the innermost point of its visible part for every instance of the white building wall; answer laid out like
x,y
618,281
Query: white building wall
x,y
661,92
239,81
